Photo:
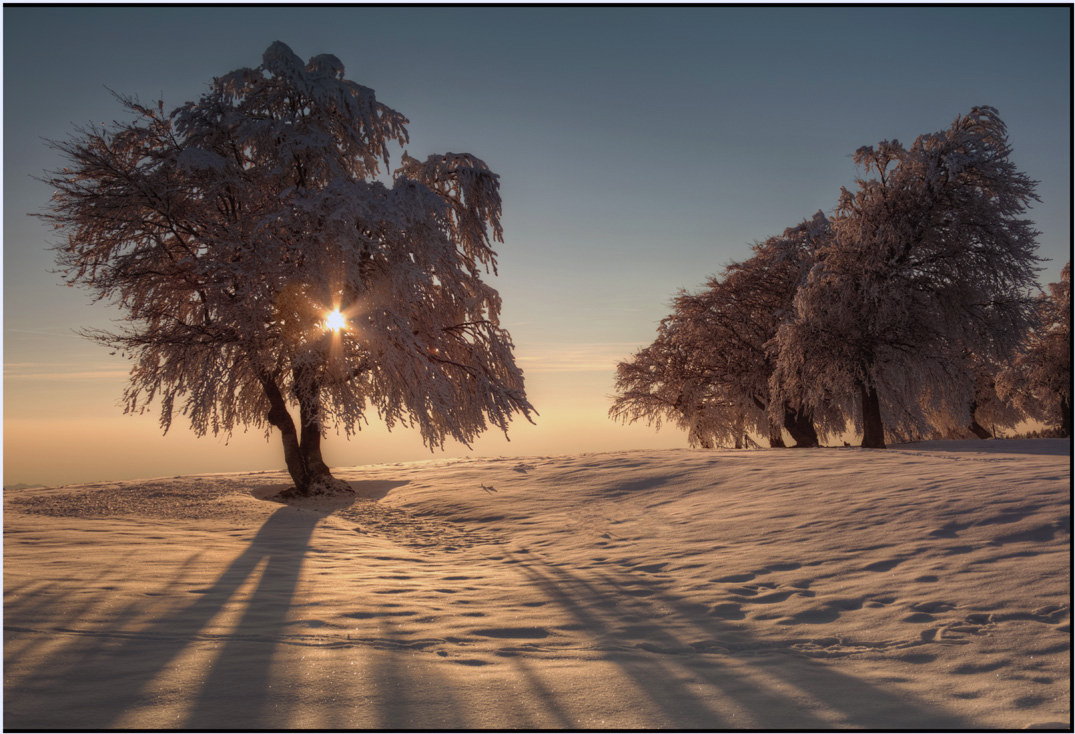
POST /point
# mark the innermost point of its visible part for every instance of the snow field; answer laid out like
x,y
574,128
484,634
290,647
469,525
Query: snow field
x,y
925,586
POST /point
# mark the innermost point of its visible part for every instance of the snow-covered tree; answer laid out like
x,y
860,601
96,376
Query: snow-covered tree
x,y
709,368
261,263
666,381
989,410
1039,379
930,259
779,267
983,410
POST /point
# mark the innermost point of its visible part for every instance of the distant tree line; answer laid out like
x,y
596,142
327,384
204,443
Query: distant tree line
x,y
909,313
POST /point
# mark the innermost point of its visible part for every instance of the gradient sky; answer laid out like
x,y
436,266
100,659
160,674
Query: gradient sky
x,y
639,149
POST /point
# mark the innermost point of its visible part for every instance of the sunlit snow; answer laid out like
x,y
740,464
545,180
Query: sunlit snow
x,y
922,587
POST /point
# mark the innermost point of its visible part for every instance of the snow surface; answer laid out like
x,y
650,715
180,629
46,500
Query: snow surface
x,y
926,586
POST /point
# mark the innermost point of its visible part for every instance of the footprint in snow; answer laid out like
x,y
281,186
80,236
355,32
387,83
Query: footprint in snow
x,y
735,578
931,607
949,530
817,615
882,566
772,598
918,617
727,610
791,566
517,633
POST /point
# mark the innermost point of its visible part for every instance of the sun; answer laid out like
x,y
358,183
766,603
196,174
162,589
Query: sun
x,y
335,321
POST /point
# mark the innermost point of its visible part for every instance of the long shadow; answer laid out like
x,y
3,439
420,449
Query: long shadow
x,y
1027,447
409,697
94,680
775,689
97,678
245,662
34,600
600,609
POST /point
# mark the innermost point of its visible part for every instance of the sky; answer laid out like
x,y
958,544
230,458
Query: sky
x,y
640,150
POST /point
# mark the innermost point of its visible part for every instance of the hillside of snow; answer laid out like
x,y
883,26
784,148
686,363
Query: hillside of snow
x,y
925,586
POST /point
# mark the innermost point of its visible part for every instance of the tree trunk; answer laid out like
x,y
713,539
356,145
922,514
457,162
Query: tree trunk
x,y
776,438
974,426
873,430
281,419
1065,416
302,452
800,426
308,395
310,444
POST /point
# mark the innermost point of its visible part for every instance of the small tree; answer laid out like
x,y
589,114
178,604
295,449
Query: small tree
x,y
259,262
1039,380
930,260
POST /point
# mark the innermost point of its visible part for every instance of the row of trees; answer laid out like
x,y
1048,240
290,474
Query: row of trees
x,y
909,312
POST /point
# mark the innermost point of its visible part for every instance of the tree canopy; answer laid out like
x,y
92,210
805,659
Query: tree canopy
x,y
1038,381
709,369
229,229
898,313
931,259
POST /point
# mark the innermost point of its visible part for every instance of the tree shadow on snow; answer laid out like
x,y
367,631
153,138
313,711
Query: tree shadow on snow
x,y
365,489
66,688
629,617
1024,447
689,668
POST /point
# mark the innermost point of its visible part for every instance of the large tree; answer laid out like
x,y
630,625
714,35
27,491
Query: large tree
x,y
709,368
931,259
263,264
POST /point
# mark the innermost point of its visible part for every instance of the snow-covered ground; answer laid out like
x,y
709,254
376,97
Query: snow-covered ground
x,y
926,586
